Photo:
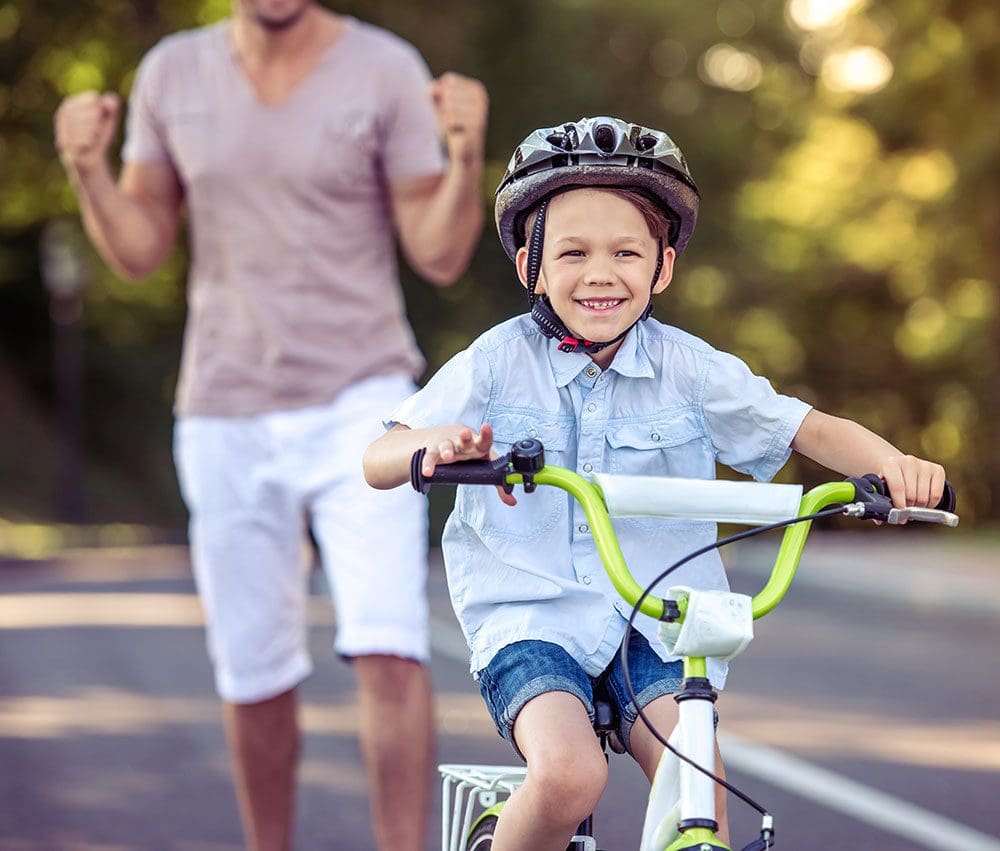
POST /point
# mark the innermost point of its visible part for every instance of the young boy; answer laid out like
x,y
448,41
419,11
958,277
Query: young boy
x,y
594,214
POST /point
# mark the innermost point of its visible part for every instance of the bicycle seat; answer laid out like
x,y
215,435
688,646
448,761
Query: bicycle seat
x,y
606,720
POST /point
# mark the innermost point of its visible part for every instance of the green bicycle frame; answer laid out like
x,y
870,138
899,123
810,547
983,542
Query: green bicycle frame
x,y
590,497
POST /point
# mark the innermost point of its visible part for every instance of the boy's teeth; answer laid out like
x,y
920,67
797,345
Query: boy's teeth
x,y
601,305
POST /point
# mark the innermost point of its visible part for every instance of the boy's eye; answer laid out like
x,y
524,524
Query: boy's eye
x,y
572,252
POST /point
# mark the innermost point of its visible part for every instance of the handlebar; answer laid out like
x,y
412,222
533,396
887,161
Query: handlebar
x,y
863,497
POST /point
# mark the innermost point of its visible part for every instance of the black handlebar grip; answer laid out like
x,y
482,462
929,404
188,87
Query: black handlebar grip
x,y
948,502
459,473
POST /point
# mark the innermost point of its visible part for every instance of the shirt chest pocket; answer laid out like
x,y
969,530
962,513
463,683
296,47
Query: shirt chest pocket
x,y
673,445
535,513
347,158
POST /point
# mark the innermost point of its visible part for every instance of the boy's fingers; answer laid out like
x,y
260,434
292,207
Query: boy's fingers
x,y
429,463
506,498
922,496
932,484
484,440
896,483
937,485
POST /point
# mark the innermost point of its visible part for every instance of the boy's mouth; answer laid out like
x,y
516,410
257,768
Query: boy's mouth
x,y
600,303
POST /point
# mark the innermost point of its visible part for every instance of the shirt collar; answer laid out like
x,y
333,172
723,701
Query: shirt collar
x,y
630,360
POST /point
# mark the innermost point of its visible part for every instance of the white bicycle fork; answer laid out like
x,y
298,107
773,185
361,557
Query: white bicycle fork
x,y
682,795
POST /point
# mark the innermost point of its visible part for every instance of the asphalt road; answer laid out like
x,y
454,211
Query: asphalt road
x,y
864,715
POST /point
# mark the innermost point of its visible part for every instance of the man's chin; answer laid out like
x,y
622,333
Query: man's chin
x,y
278,21
279,24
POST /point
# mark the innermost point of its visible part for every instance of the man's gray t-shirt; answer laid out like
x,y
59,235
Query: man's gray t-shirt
x,y
293,290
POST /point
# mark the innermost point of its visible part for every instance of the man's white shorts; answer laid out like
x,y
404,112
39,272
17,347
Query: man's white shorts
x,y
253,485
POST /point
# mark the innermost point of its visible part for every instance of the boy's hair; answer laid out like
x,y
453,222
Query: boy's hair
x,y
652,213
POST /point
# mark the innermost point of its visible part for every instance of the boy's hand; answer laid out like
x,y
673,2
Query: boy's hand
x,y
913,481
465,445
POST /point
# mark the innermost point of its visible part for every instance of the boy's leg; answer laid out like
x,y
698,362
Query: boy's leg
x,y
567,773
647,749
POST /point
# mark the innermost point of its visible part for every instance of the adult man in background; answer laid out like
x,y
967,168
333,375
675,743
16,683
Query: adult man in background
x,y
302,145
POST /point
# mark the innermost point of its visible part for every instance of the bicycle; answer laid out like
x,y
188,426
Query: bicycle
x,y
694,625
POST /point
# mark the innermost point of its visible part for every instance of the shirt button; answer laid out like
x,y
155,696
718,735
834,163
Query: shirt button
x,y
655,436
585,580
583,527
532,432
591,371
588,467
591,407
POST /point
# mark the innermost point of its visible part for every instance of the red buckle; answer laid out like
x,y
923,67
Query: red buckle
x,y
569,344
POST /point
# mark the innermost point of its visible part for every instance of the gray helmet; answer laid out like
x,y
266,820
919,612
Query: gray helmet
x,y
596,152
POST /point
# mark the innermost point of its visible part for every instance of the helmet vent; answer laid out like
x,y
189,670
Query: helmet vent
x,y
645,142
604,138
563,141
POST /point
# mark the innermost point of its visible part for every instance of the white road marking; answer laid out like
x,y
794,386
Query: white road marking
x,y
860,802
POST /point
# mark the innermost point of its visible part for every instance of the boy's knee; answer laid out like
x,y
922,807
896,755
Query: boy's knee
x,y
570,785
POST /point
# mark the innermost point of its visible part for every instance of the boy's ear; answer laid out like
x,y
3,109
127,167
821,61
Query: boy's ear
x,y
666,271
521,262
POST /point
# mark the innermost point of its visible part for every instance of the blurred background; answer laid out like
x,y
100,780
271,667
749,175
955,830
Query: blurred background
x,y
848,154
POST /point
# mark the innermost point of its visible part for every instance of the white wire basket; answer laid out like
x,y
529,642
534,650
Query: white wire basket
x,y
467,791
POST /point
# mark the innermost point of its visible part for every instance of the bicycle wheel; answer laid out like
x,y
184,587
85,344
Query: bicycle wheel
x,y
481,838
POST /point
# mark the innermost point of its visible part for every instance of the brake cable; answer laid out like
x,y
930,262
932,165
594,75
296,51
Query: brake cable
x,y
721,542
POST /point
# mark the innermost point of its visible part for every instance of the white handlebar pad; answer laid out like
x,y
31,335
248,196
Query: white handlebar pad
x,y
749,503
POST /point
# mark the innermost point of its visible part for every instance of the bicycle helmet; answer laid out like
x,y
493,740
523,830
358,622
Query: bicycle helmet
x,y
592,152
596,152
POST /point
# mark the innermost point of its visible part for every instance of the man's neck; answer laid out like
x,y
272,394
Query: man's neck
x,y
257,44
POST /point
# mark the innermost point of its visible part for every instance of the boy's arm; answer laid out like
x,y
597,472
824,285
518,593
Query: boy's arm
x,y
387,460
849,448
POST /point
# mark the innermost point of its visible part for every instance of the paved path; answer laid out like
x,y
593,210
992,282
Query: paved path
x,y
110,738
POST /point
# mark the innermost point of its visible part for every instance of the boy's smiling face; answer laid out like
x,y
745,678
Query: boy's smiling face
x,y
598,261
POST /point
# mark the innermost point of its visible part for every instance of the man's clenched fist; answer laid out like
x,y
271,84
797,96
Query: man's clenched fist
x,y
85,124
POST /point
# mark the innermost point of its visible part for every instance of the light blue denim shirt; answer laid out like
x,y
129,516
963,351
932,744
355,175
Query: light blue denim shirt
x,y
669,405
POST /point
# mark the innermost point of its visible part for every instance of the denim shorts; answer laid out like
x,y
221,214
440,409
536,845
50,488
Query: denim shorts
x,y
526,669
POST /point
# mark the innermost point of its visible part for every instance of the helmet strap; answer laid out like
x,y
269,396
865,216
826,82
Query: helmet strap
x,y
535,243
656,277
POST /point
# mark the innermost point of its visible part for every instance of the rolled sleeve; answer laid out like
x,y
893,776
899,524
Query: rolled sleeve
x,y
145,139
411,143
750,424
458,393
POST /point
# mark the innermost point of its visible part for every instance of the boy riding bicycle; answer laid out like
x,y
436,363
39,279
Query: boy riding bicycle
x,y
594,214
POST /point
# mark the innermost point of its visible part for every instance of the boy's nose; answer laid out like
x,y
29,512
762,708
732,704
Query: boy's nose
x,y
598,273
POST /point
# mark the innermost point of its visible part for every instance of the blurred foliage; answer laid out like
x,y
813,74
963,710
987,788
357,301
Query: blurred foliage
x,y
847,153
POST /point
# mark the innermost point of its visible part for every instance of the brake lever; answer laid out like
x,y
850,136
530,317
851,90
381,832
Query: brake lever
x,y
872,501
898,516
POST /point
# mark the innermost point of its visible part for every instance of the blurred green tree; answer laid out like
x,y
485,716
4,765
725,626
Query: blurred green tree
x,y
847,154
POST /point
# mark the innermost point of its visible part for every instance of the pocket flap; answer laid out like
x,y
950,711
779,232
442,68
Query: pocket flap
x,y
655,434
508,428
